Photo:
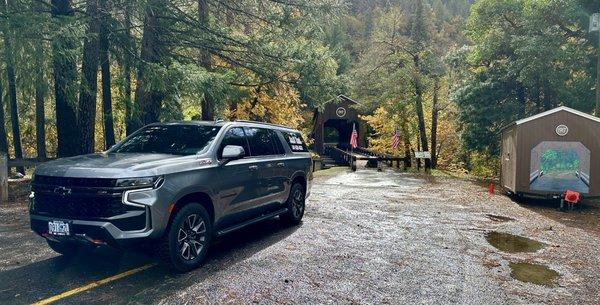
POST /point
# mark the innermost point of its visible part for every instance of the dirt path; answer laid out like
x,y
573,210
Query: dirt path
x,y
367,238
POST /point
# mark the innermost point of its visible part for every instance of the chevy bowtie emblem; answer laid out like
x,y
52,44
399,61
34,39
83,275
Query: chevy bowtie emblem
x,y
61,190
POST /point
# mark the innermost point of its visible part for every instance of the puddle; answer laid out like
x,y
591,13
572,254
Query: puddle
x,y
499,218
512,243
533,273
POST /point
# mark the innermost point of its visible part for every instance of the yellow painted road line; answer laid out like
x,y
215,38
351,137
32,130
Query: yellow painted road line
x,y
92,285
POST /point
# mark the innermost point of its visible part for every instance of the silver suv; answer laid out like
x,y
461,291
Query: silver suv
x,y
176,184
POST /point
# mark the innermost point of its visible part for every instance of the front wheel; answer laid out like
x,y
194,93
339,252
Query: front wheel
x,y
295,204
185,244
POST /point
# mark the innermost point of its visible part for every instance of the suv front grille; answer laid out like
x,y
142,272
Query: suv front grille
x,y
79,206
80,198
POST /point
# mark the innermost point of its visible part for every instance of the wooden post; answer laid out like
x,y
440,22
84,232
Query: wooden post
x,y
3,177
598,77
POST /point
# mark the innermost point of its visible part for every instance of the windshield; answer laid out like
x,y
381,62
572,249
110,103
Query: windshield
x,y
169,139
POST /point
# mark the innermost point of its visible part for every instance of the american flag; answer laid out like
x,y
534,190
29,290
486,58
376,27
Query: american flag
x,y
395,139
354,137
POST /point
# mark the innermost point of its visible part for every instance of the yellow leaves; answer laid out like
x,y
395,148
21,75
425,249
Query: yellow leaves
x,y
277,103
448,142
296,14
383,125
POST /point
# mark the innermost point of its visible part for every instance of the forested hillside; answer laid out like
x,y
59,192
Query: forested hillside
x,y
77,76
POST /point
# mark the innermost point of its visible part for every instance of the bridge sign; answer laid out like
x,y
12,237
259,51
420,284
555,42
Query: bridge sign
x,y
340,112
422,155
595,22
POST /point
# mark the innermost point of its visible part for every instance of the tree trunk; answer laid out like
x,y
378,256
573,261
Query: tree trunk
x,y
3,140
107,113
434,122
148,100
65,74
89,80
41,87
40,92
419,108
208,103
12,90
598,77
548,97
127,62
233,111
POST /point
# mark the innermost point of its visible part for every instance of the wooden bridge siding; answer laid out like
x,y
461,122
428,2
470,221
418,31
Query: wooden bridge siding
x,y
329,113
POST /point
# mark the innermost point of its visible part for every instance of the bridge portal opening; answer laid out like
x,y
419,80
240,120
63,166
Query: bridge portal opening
x,y
558,166
337,132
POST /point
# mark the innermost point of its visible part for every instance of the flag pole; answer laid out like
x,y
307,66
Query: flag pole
x,y
352,148
351,151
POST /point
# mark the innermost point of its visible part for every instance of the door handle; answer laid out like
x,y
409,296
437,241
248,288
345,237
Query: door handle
x,y
280,164
253,167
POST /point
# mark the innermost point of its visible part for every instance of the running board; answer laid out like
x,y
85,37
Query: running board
x,y
252,221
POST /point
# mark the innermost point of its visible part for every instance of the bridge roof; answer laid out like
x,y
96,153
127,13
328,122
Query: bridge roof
x,y
345,98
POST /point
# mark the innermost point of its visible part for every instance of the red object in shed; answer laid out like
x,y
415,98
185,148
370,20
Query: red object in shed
x,y
572,196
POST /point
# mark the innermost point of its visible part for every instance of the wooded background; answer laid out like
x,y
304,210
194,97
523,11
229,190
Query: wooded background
x,y
77,76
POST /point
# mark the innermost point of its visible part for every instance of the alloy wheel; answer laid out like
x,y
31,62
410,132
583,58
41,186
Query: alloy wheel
x,y
191,237
297,202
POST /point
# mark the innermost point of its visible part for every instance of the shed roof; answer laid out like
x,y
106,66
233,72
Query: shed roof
x,y
555,110
549,112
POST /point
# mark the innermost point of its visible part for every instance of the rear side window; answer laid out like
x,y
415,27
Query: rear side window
x,y
278,146
234,136
261,141
294,139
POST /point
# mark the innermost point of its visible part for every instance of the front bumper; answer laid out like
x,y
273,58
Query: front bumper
x,y
121,229
97,232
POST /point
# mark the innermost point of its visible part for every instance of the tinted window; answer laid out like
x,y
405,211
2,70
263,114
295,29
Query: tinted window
x,y
234,136
169,139
294,139
261,142
278,146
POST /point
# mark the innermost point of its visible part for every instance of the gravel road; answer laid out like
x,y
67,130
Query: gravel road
x,y
367,238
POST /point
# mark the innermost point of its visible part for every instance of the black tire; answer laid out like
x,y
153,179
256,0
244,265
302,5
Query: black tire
x,y
66,249
296,203
185,243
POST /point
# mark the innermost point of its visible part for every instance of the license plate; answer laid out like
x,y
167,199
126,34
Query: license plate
x,y
58,228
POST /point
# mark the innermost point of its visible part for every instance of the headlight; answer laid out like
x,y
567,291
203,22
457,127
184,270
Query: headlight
x,y
144,182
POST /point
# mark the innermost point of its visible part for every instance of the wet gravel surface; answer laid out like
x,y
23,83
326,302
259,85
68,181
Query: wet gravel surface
x,y
367,238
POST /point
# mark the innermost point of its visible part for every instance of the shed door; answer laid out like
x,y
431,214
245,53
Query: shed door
x,y
509,164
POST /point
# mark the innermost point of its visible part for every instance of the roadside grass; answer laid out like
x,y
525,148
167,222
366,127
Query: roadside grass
x,y
443,173
330,171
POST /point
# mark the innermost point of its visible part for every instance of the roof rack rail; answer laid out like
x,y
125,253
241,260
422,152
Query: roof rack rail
x,y
263,123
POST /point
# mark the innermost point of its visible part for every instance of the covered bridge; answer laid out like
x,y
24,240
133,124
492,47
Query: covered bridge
x,y
333,124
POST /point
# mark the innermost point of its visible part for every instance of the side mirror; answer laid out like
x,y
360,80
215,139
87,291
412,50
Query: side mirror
x,y
232,152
